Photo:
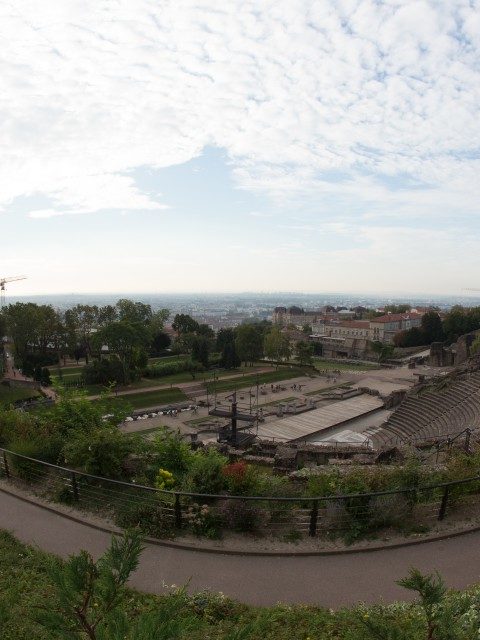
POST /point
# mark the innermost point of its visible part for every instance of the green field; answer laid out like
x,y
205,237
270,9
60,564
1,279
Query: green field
x,y
9,395
153,398
68,370
204,376
262,378
343,366
167,359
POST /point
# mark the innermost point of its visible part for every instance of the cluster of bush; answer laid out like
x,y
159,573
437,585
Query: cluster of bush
x,y
84,436
33,363
161,370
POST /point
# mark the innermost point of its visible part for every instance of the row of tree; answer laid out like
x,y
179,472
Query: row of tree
x,y
458,321
42,334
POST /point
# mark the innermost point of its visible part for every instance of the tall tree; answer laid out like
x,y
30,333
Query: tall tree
x,y
183,323
276,345
22,320
226,345
432,327
131,311
126,340
201,350
85,319
304,351
249,343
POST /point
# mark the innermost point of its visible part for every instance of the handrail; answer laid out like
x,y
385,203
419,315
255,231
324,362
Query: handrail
x,y
174,493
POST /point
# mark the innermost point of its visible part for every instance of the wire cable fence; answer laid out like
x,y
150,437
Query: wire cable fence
x,y
167,513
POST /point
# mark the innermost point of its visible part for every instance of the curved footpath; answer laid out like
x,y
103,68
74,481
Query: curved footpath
x,y
331,581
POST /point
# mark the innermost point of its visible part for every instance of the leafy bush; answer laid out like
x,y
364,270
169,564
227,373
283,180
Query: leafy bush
x,y
15,424
242,478
74,412
203,520
25,469
170,452
104,371
100,453
205,473
33,360
241,515
151,516
167,369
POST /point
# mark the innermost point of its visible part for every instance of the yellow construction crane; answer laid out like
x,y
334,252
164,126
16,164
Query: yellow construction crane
x,y
3,282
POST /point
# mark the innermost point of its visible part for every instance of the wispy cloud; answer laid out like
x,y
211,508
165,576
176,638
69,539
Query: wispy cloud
x,y
292,91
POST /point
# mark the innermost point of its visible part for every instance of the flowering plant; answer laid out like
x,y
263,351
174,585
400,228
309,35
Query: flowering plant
x,y
164,480
202,520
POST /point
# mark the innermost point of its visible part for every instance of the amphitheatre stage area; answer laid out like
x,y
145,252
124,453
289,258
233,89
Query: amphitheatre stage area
x,y
328,406
312,423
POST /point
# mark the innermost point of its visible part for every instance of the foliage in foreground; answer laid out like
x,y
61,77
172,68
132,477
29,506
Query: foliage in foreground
x,y
44,598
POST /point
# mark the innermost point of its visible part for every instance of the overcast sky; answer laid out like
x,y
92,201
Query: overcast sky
x,y
232,145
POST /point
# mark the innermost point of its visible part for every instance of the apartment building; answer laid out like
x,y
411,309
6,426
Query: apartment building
x,y
385,327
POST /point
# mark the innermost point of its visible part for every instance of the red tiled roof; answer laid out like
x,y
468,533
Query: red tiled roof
x,y
397,317
352,324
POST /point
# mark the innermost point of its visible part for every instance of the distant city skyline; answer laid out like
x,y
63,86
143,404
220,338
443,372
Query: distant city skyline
x,y
187,147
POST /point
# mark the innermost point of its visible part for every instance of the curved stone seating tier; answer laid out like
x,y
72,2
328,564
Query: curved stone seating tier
x,y
432,415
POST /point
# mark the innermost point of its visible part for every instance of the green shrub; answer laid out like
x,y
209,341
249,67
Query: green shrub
x,y
151,516
74,412
104,371
242,515
167,369
102,452
171,452
15,424
25,469
203,520
242,479
205,473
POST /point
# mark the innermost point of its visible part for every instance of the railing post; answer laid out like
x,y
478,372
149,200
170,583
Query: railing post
x,y
5,465
312,531
178,512
443,506
76,496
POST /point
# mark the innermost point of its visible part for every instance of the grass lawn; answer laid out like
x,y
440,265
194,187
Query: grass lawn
x,y
167,359
203,376
9,395
343,366
153,398
282,373
66,371
151,431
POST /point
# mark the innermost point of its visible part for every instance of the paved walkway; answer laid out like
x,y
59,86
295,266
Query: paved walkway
x,y
332,581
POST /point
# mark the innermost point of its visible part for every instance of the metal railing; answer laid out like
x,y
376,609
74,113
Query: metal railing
x,y
349,515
